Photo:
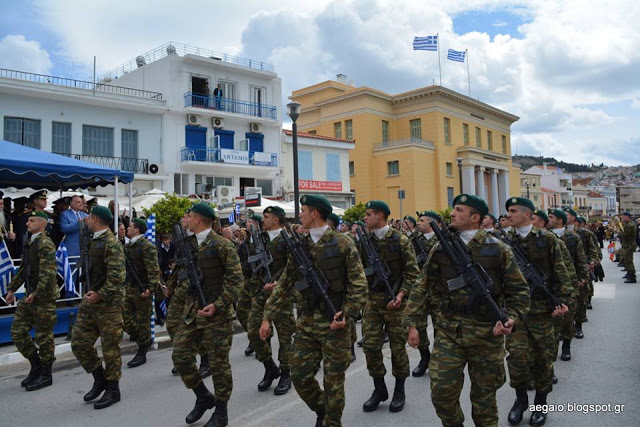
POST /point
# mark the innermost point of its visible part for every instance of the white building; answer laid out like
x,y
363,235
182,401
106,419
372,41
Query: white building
x,y
555,179
323,167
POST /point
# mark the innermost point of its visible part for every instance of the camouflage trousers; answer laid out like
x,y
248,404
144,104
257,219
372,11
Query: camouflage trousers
x,y
216,334
470,343
532,350
243,307
137,316
40,316
422,326
285,325
174,315
313,343
376,319
627,259
564,326
93,323
581,303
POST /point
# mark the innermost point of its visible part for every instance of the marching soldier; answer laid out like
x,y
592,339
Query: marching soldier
x,y
243,305
466,335
489,224
628,239
143,272
217,259
333,221
100,313
38,309
409,226
318,339
504,222
581,224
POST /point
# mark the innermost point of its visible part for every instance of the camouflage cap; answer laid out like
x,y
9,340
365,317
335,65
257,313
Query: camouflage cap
x,y
204,209
571,211
140,224
102,213
542,215
40,214
410,218
472,201
430,214
378,205
558,213
42,194
520,201
316,201
277,210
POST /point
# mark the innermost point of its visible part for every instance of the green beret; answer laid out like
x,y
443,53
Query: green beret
x,y
140,224
542,215
378,205
626,214
42,194
347,223
430,214
40,214
503,216
256,217
559,214
360,223
102,213
520,201
333,218
274,210
204,209
410,218
472,201
316,201
571,211
582,220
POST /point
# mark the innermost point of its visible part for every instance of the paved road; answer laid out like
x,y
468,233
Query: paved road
x,y
605,369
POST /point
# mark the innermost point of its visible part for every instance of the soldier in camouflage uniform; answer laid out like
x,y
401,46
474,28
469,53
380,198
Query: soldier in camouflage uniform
x,y
384,314
38,309
274,220
466,335
535,340
100,313
243,305
582,229
409,226
628,239
217,259
427,241
317,338
143,271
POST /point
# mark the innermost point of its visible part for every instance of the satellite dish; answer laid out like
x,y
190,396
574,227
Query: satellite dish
x,y
140,61
171,49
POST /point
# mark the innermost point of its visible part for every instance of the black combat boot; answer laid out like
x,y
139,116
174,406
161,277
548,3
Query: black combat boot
x,y
397,403
284,385
538,418
174,371
566,350
111,395
425,356
519,406
353,353
579,333
99,384
319,418
140,357
220,418
205,369
631,279
271,372
204,402
248,351
359,343
554,379
380,394
36,365
43,380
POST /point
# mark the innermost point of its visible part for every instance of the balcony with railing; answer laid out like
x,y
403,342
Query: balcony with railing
x,y
229,105
128,164
224,155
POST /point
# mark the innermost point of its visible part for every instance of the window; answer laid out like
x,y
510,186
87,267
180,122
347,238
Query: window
x,y
305,165
22,131
465,133
223,180
449,168
385,131
180,183
352,168
61,138
349,129
450,196
129,150
337,130
333,167
504,144
97,141
535,198
393,168
416,128
489,140
266,185
447,136
478,138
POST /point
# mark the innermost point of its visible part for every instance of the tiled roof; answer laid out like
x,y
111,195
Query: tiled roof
x,y
582,181
546,190
326,138
594,194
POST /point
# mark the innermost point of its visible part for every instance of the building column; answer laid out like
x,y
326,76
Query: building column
x,y
503,188
495,203
480,183
468,181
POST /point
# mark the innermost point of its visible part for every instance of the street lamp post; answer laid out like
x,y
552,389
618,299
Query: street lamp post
x,y
459,162
526,184
293,110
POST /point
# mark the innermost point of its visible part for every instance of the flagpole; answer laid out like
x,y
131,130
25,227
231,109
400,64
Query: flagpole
x,y
439,63
468,79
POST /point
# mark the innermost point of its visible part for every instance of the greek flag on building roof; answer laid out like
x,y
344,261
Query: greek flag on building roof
x,y
6,267
150,234
425,43
63,267
455,55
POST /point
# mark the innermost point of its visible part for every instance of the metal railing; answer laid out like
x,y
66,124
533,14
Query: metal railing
x,y
230,105
123,163
182,49
404,142
217,155
79,84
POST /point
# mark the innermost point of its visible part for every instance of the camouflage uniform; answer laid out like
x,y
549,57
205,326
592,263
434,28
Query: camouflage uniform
x,y
628,240
143,256
336,256
423,322
103,319
218,260
466,337
41,314
565,327
591,252
243,304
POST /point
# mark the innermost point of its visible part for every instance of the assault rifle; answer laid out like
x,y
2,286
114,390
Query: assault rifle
x,y
132,274
421,251
85,261
377,266
262,258
469,273
188,267
26,263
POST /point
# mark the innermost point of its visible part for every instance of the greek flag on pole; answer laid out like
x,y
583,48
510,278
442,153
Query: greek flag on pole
x,y
455,55
63,267
6,267
232,217
425,43
150,234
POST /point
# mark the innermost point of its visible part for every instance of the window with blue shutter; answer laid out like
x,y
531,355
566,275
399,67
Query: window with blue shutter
x,y
333,167
61,138
305,165
97,141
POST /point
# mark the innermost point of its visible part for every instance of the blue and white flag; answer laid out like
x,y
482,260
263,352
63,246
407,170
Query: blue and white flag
x,y
163,307
455,55
6,268
150,234
63,267
425,43
232,217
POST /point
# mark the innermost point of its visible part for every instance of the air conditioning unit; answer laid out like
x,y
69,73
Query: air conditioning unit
x,y
255,127
156,168
225,194
194,120
217,122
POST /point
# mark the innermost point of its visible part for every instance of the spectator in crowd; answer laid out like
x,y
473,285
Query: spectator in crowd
x,y
217,94
122,234
124,218
70,224
166,251
227,233
5,224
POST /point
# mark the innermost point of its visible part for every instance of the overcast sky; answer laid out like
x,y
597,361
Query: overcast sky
x,y
569,69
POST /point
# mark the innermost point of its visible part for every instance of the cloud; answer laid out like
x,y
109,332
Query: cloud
x,y
18,53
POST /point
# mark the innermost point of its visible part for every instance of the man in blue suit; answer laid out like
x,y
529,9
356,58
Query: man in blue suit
x,y
69,220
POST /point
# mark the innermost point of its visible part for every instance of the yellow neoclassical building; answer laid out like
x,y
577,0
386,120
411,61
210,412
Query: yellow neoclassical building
x,y
428,142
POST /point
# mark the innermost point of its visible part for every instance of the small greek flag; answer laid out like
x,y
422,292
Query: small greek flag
x,y
455,55
150,234
232,217
163,306
425,43
63,267
6,268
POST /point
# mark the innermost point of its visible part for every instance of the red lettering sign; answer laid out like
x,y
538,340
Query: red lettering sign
x,y
305,184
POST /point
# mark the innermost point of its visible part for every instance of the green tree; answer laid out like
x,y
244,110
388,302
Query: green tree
x,y
446,215
168,211
354,213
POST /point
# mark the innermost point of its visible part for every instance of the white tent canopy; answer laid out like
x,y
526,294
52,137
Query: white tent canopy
x,y
288,209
